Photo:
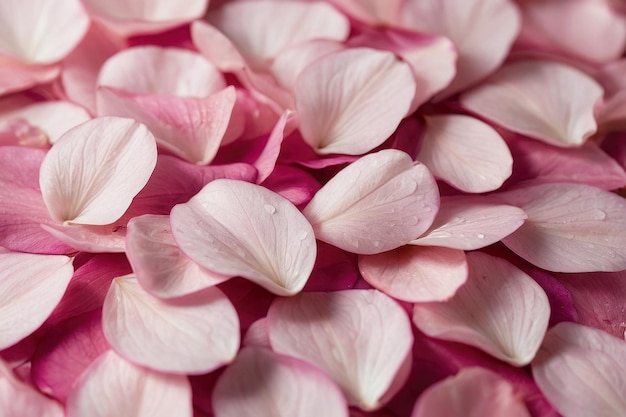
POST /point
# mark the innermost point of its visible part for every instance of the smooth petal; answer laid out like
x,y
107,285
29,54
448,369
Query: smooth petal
x,y
290,388
499,310
465,152
111,386
195,335
247,230
351,101
545,100
471,222
378,203
161,267
294,184
361,338
31,286
416,274
93,239
17,76
372,12
581,371
92,173
473,392
570,227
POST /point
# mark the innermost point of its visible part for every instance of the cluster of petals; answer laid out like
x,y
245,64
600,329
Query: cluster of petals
x,y
283,208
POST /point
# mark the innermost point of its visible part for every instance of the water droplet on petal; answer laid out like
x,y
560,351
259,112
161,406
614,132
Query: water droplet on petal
x,y
270,208
480,236
598,215
303,234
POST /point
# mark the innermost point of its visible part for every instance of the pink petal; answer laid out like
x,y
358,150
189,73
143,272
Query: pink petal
x,y
161,268
334,270
471,222
351,101
482,33
570,228
581,371
41,31
372,12
266,161
465,152
111,386
195,335
378,203
92,173
235,228
31,286
473,392
415,274
545,100
361,338
290,388
93,239
257,334
19,399
17,76
499,310
292,183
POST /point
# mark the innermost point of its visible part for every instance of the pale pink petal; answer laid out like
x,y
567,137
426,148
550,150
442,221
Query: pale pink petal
x,y
150,16
191,128
235,228
372,12
465,152
216,47
266,161
111,386
17,76
378,203
31,286
545,100
471,222
253,29
473,392
20,399
92,173
161,268
570,228
196,334
351,101
482,31
41,31
415,274
93,239
290,388
361,338
499,310
581,371
257,334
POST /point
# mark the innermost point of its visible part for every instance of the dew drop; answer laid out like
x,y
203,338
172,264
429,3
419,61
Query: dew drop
x,y
303,234
428,209
376,244
598,215
269,208
480,236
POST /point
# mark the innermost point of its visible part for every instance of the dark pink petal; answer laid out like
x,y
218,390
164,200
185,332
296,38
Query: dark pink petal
x,y
235,228
465,152
378,203
473,392
499,310
482,33
292,183
361,338
31,286
195,335
161,268
471,222
334,270
570,228
111,386
581,371
92,173
290,388
416,274
545,100
351,101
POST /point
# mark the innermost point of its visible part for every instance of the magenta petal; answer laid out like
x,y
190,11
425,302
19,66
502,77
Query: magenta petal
x,y
262,383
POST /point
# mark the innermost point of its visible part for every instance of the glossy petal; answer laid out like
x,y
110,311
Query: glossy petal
x,y
465,152
416,274
545,100
194,335
235,228
93,172
361,338
161,267
262,383
351,101
378,203
581,371
31,286
111,386
570,228
499,310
